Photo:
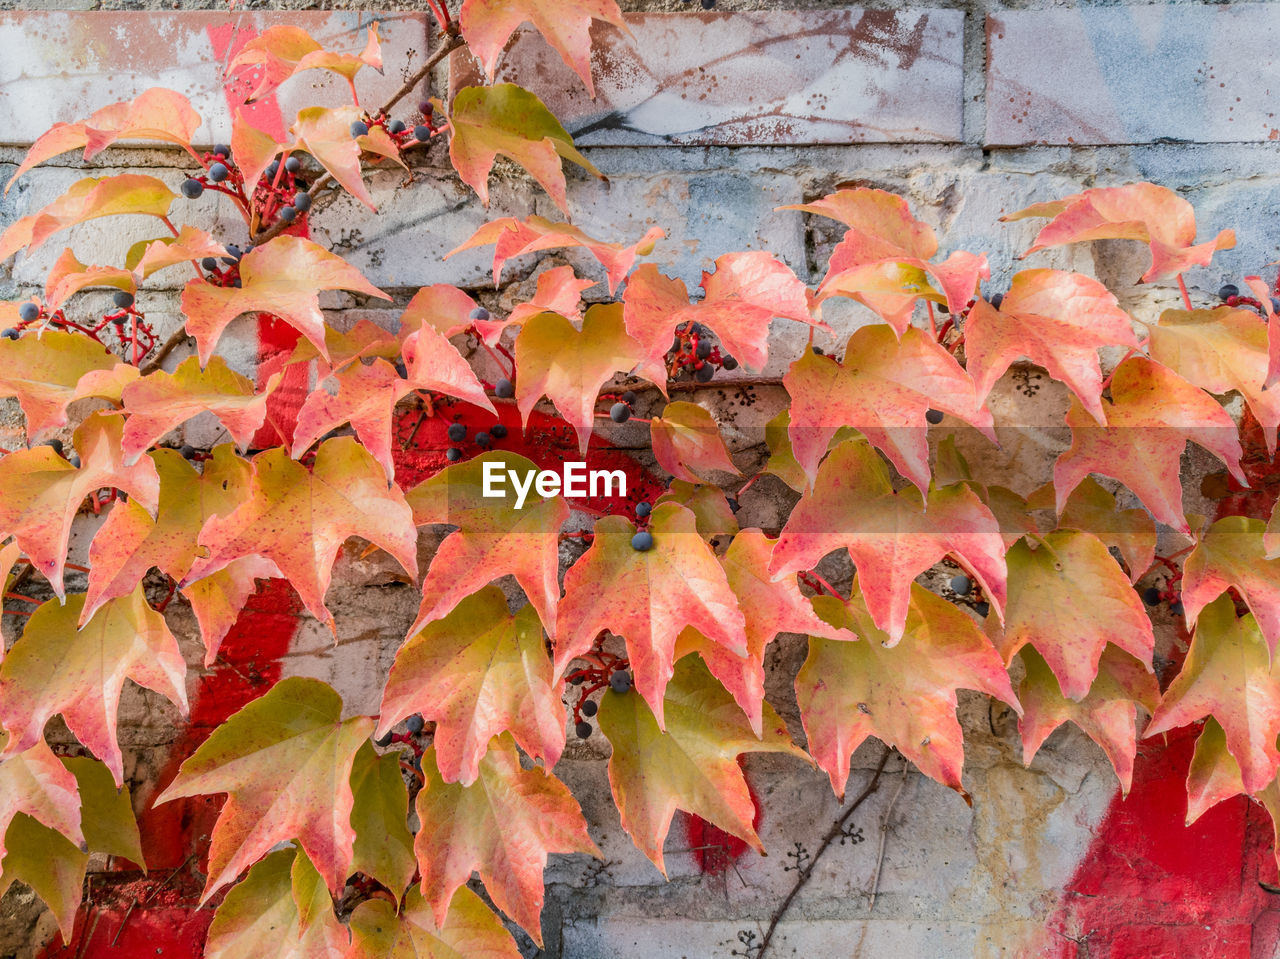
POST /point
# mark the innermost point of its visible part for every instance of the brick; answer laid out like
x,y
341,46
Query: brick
x,y
1133,74
777,77
65,65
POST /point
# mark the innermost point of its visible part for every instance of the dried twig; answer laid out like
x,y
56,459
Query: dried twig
x,y
884,833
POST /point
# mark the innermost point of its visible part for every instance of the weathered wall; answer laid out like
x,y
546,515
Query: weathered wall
x,y
705,125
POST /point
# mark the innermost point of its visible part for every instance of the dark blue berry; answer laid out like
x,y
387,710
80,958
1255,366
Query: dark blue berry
x,y
384,742
675,345
498,431
10,334
982,608
187,451
191,188
74,460
302,201
629,397
222,150
933,416
619,412
422,133
54,444
359,128
288,213
218,172
704,349
122,299
209,263
452,454
272,170
483,439
996,300
1151,596
1176,608
577,679
456,432
589,708
414,724
395,126
402,369
620,681
293,164
233,252
729,363
642,542
504,388
1228,290
583,730
961,585
479,314
643,509
734,505
704,373
28,311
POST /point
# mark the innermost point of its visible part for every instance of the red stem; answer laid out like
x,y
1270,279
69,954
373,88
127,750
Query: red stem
x,y
1186,297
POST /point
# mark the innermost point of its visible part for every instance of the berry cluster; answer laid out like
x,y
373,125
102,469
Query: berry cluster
x,y
415,728
279,196
125,327
693,355
606,669
457,433
964,589
399,131
1229,294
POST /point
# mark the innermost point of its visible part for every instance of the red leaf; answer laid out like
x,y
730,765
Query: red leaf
x,y
684,438
558,291
1229,555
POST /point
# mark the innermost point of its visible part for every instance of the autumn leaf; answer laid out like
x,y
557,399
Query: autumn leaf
x,y
769,608
88,199
434,364
217,599
253,149
1012,512
691,765
1230,555
284,761
558,291
676,583
383,848
508,120
564,23
1221,350
569,365
44,373
50,864
283,51
264,908
1214,774
1151,414
297,519
69,276
884,388
325,133
444,308
476,673
364,339
470,930
1229,674
686,437
190,244
1092,509
502,826
1152,214
514,238
1057,320
282,277
904,694
43,492
494,538
58,667
155,114
1107,713
708,504
892,536
35,783
130,542
163,401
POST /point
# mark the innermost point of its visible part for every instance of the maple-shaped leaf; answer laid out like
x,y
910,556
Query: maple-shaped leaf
x,y
1056,319
884,389
58,667
475,673
69,276
502,826
1107,713
497,535
565,24
880,224
1151,414
514,238
558,291
1221,350
383,848
282,51
284,761
1092,509
1152,214
444,308
365,339
44,373
1214,775
297,519
434,364
190,244
678,582
708,504
163,401
52,864
1229,674
218,598
892,535
282,901
155,114
131,541
34,782
1045,585
1229,555
470,930
253,149
43,492
509,120
692,764
769,608
1009,508
1261,291
325,133
88,199
904,694
686,437
569,365
282,277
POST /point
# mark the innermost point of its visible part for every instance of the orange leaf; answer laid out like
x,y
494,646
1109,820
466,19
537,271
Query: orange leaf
x,y
686,437
558,291
69,276
326,135
44,372
1230,555
445,308
190,244
35,783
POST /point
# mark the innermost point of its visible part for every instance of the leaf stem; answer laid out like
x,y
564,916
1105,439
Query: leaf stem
x,y
1186,297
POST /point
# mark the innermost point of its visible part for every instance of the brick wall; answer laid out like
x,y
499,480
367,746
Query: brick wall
x,y
705,123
